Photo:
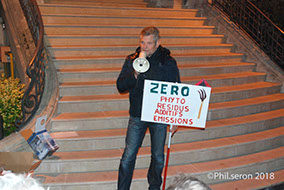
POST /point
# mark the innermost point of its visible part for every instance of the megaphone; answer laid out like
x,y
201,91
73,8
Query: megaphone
x,y
141,64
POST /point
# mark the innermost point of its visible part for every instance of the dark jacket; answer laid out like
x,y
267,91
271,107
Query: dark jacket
x,y
163,67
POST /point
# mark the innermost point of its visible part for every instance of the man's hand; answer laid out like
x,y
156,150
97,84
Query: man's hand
x,y
174,129
136,74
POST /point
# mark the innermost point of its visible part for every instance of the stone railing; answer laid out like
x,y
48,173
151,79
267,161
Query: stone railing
x,y
33,66
36,67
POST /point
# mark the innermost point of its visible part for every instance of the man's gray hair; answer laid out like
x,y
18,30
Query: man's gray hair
x,y
151,30
186,182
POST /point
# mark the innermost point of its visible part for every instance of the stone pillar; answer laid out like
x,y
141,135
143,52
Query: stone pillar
x,y
40,1
160,3
195,4
178,4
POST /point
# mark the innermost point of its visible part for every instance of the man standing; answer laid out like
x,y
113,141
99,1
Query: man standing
x,y
163,67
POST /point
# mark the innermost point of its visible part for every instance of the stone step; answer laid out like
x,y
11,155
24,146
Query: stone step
x,y
130,21
115,138
186,153
133,40
266,161
260,180
123,50
118,119
79,121
108,102
84,75
67,30
94,1
98,3
244,131
115,61
109,87
243,107
67,10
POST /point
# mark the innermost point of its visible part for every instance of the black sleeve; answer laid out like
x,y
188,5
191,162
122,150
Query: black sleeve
x,y
174,71
126,79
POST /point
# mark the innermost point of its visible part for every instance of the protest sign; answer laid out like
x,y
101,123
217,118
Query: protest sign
x,y
175,103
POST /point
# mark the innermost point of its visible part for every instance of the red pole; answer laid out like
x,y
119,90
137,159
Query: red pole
x,y
167,159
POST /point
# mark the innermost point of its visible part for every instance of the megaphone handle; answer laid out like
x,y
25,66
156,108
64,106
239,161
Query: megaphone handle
x,y
135,73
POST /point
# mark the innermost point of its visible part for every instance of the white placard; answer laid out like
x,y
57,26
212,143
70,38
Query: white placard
x,y
175,103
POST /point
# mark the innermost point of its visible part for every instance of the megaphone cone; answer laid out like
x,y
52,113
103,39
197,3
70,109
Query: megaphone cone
x,y
141,64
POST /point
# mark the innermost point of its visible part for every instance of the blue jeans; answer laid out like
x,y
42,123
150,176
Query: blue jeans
x,y
134,138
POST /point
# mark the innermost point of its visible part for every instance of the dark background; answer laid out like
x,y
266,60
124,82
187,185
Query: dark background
x,y
274,9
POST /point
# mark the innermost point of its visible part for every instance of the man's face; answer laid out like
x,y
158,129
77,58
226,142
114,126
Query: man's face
x,y
148,44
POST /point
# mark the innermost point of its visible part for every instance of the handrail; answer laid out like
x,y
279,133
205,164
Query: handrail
x,y
268,36
265,16
36,68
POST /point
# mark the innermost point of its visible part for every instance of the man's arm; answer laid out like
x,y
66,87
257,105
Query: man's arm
x,y
126,79
174,70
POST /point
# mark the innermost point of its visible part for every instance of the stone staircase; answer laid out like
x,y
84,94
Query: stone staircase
x,y
89,41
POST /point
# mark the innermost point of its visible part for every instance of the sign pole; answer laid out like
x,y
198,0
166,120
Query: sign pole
x,y
168,155
176,105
